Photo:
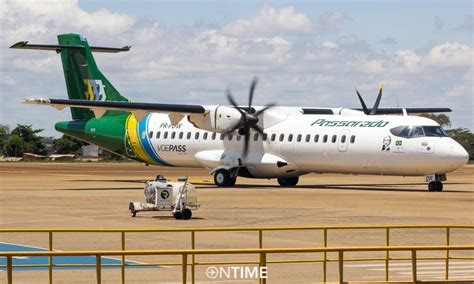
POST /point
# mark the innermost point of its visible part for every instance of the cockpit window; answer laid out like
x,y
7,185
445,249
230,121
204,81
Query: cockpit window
x,y
435,131
418,131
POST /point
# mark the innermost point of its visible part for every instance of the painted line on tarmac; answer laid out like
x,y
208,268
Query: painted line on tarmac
x,y
59,219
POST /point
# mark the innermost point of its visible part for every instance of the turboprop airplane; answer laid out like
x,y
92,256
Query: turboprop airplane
x,y
249,141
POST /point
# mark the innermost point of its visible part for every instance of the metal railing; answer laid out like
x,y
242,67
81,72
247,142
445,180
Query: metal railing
x,y
447,230
261,252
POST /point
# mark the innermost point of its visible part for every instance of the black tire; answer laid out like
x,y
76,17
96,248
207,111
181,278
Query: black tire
x,y
133,213
291,181
222,179
186,214
435,186
178,215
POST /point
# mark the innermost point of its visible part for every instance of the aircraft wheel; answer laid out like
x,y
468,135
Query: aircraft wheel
x,y
292,181
186,214
435,186
178,215
222,179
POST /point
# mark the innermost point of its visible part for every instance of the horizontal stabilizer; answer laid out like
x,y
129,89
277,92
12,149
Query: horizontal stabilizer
x,y
57,48
126,106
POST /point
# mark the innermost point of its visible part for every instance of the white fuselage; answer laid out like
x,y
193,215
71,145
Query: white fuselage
x,y
356,144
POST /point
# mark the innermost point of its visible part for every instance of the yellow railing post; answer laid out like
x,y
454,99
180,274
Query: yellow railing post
x,y
193,259
185,267
446,276
260,238
341,266
413,265
387,253
262,263
123,258
50,258
9,270
325,244
98,268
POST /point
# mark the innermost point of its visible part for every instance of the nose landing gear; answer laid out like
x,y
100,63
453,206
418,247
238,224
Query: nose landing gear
x,y
435,182
435,186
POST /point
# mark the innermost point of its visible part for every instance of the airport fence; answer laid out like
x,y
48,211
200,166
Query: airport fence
x,y
188,255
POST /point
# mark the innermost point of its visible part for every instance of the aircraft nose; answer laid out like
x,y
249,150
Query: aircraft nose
x,y
458,155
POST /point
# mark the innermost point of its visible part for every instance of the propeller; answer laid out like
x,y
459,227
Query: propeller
x,y
374,109
249,118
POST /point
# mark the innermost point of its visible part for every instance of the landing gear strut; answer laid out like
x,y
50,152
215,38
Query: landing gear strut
x,y
223,178
291,181
435,186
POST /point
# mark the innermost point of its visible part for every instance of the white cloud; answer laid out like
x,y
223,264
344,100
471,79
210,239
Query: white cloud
x,y
450,54
330,20
271,21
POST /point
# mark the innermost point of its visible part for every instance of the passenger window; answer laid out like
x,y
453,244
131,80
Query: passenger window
x,y
343,139
316,138
173,135
334,138
222,136
298,138
165,135
264,137
204,136
282,137
308,137
158,134
290,137
196,136
188,136
229,137
353,139
213,136
325,138
273,137
150,135
181,135
255,137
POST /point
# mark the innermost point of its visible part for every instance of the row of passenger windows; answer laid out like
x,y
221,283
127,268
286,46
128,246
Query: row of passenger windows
x,y
281,137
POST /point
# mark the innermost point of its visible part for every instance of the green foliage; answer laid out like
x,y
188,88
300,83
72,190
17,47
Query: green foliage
x,y
24,139
442,119
67,145
4,134
464,137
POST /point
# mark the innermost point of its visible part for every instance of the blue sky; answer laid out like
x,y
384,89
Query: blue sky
x,y
313,52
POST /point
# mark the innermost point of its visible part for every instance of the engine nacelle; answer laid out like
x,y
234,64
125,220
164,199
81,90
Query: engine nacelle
x,y
219,119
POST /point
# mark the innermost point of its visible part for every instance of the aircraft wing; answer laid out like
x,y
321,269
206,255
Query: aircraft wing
x,y
399,110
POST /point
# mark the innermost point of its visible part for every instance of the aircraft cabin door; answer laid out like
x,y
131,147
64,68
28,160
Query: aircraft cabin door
x,y
343,140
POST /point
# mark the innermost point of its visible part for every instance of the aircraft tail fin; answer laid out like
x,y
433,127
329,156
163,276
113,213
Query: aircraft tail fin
x,y
84,80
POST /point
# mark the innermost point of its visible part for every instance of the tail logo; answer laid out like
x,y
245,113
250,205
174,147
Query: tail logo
x,y
95,90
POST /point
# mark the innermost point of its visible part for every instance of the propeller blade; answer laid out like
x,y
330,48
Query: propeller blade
x,y
246,143
258,129
377,102
232,101
235,127
364,106
252,89
264,109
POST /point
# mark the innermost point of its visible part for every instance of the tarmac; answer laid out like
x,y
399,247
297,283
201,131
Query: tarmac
x,y
96,195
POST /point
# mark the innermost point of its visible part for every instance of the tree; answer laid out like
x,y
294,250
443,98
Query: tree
x,y
68,145
4,134
24,139
442,119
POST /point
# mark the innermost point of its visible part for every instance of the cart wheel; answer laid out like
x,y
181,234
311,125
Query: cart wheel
x,y
187,213
178,215
133,213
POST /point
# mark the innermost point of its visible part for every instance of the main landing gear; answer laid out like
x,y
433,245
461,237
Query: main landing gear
x,y
223,178
291,181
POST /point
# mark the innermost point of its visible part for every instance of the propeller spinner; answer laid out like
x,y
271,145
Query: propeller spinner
x,y
249,118
374,109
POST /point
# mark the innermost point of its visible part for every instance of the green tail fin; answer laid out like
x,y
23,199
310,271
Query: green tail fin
x,y
84,80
